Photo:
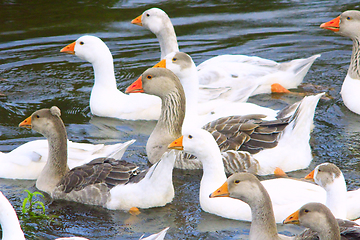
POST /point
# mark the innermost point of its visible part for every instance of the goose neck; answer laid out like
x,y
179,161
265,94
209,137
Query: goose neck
x,y
167,39
263,224
336,198
56,166
354,69
104,73
172,113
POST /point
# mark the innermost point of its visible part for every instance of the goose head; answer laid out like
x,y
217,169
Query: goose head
x,y
43,121
197,142
242,186
89,48
325,175
317,217
179,63
153,19
156,81
347,24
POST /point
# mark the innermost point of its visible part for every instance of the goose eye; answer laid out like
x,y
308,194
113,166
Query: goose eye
x,y
190,137
149,77
81,43
148,15
174,59
306,210
236,181
348,18
37,116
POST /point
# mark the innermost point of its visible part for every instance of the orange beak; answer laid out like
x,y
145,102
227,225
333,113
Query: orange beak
x,y
292,219
222,191
161,64
26,123
135,87
177,144
332,25
69,48
137,20
310,176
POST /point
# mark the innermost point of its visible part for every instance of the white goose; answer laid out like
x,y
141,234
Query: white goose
x,y
248,143
9,221
105,99
348,24
28,160
286,194
110,183
234,74
342,203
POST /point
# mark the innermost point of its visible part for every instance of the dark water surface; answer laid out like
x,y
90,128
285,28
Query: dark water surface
x,y
35,75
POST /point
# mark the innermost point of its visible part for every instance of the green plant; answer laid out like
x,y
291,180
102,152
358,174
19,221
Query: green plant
x,y
28,208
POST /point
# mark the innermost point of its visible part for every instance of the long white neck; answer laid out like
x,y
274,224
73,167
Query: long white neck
x,y
167,39
190,84
336,197
213,170
104,72
9,221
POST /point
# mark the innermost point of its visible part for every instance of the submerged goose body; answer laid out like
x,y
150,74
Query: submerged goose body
x,y
248,143
105,99
233,74
342,203
110,183
347,24
287,195
28,160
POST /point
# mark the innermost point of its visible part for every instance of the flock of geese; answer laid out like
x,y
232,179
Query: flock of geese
x,y
220,133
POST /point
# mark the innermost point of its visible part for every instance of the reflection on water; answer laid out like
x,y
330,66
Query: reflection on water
x,y
33,75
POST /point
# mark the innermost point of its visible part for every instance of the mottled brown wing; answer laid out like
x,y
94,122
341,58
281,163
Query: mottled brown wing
x,y
246,133
101,170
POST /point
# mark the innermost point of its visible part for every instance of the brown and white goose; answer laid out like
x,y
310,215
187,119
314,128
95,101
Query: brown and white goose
x,y
348,25
322,222
232,73
248,143
246,187
110,183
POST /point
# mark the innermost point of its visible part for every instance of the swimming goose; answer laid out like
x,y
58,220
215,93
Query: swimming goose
x,y
319,219
233,73
246,187
199,108
105,99
347,24
248,143
342,203
286,194
110,183
28,160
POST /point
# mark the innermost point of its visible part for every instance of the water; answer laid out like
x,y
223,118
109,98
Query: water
x,y
35,75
